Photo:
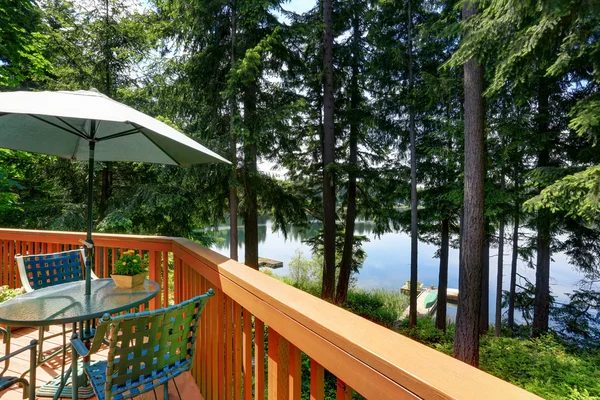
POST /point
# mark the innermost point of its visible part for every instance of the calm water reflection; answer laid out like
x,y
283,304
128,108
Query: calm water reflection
x,y
388,260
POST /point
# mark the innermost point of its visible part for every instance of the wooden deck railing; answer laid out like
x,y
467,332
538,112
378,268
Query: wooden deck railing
x,y
256,331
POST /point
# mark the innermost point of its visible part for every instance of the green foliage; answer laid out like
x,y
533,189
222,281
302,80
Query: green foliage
x,y
382,306
542,366
427,333
577,195
7,293
129,263
21,42
304,273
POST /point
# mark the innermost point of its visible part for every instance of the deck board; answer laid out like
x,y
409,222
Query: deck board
x,y
184,386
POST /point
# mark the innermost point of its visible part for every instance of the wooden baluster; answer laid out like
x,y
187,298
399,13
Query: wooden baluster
x,y
4,275
97,265
176,279
208,325
259,359
317,381
237,351
154,273
204,361
344,392
295,373
220,298
247,338
12,278
228,348
214,343
165,281
279,365
105,269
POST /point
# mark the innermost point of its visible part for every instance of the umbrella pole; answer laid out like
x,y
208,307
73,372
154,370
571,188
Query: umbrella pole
x,y
90,250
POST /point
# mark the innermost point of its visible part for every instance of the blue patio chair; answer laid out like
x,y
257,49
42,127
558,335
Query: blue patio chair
x,y
38,271
8,381
145,349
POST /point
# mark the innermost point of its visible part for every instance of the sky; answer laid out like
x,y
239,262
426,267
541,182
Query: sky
x,y
299,6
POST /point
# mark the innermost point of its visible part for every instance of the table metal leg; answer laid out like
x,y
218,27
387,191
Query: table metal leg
x,y
58,387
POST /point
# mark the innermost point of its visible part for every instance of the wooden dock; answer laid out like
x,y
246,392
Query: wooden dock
x,y
421,309
268,263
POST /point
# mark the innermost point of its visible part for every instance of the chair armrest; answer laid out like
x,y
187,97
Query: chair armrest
x,y
79,346
31,345
97,341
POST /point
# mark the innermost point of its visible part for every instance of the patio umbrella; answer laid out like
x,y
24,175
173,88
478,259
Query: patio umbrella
x,y
87,125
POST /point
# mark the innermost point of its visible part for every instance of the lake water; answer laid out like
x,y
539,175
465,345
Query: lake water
x,y
387,264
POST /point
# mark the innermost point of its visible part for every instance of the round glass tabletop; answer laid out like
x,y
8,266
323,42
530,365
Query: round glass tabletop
x,y
67,303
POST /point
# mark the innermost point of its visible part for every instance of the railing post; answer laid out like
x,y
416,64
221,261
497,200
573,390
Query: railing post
x,y
154,275
317,381
279,364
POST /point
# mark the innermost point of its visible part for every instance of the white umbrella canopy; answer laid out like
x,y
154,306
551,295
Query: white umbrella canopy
x,y
86,125
60,124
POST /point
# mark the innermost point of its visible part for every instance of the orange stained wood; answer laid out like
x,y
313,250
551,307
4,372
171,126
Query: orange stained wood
x,y
214,344
344,392
220,300
247,355
317,381
259,359
237,351
279,363
295,373
154,274
374,361
165,279
228,348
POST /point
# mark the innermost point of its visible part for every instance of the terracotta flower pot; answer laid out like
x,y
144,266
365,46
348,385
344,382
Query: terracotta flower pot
x,y
128,281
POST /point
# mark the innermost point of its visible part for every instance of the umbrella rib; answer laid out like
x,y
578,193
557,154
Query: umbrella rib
x,y
120,134
154,143
60,127
70,126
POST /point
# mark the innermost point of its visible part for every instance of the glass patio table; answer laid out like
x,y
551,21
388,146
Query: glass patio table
x,y
67,304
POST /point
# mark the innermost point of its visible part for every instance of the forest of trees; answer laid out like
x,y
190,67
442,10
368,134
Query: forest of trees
x,y
468,124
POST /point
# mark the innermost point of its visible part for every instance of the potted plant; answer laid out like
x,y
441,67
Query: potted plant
x,y
129,270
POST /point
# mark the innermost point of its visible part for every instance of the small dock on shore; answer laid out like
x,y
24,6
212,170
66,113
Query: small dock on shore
x,y
268,263
427,300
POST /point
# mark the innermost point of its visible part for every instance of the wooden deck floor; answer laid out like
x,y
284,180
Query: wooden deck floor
x,y
184,387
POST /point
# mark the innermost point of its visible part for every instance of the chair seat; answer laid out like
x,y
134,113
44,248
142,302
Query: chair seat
x,y
96,372
8,381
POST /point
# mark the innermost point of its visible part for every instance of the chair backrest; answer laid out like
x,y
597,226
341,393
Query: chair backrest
x,y
148,348
42,270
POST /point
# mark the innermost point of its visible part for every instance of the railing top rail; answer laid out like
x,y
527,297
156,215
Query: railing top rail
x,y
162,243
421,370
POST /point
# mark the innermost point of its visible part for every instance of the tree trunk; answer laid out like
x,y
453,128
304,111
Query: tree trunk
x,y
414,240
484,313
233,195
328,287
466,340
440,318
346,264
498,322
541,308
513,271
250,173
